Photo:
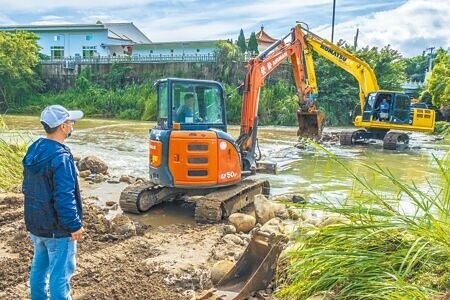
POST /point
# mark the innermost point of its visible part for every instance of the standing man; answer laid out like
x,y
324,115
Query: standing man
x,y
53,208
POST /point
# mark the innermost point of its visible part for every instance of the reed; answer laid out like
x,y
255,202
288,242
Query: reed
x,y
385,249
12,149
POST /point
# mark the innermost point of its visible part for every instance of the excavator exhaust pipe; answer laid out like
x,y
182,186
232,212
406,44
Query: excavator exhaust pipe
x,y
310,124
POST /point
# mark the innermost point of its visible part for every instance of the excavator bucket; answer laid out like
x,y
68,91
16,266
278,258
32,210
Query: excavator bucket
x,y
310,124
253,271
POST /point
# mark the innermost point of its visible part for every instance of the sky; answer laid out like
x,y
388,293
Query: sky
x,y
409,26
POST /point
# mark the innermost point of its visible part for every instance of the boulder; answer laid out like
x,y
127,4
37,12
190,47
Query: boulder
x,y
293,213
93,164
85,173
76,156
127,178
122,225
242,222
274,226
220,269
264,209
280,210
233,239
229,229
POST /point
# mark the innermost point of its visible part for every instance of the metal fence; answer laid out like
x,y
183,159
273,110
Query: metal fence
x,y
71,61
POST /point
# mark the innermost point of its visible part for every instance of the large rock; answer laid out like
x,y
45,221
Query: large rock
x,y
242,222
122,225
220,269
274,226
264,209
280,210
233,239
93,164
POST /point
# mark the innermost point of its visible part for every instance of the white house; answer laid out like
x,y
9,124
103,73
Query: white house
x,y
84,40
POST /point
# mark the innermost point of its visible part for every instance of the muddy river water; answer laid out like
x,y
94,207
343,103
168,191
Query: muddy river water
x,y
310,172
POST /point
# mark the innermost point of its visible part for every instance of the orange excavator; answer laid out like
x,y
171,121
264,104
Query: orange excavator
x,y
191,152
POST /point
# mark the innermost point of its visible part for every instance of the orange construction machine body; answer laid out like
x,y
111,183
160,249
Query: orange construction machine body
x,y
190,148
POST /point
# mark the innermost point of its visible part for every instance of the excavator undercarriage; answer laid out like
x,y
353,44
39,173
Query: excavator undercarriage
x,y
391,140
211,205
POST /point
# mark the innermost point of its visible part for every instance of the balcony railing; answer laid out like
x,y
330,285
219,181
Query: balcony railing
x,y
71,61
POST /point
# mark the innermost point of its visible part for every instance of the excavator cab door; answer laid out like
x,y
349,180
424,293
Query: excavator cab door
x,y
401,109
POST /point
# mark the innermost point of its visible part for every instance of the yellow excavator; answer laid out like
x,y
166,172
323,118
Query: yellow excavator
x,y
383,115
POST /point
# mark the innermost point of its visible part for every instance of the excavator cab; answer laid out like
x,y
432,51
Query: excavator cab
x,y
190,148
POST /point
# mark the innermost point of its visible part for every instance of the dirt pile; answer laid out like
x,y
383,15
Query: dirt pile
x,y
119,258
116,259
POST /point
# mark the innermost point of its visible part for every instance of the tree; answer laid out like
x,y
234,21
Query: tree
x,y
253,44
241,42
439,82
388,65
18,58
415,67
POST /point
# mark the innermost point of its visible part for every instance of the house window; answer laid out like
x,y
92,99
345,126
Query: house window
x,y
57,52
89,51
171,50
198,50
151,51
89,37
57,38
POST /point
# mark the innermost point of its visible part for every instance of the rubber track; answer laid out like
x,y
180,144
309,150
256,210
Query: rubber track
x,y
223,202
345,138
131,194
210,208
390,141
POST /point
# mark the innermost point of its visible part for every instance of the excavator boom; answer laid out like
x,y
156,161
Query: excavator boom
x,y
377,122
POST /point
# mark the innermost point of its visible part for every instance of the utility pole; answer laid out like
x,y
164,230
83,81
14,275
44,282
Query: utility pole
x,y
355,41
332,22
430,63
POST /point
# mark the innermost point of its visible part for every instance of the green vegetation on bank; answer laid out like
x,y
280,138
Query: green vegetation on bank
x,y
442,128
12,151
136,102
114,95
377,247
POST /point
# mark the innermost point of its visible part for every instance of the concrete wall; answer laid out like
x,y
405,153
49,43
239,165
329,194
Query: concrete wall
x,y
58,77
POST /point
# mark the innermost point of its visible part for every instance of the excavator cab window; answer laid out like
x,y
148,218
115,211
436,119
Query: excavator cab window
x,y
401,109
197,103
162,105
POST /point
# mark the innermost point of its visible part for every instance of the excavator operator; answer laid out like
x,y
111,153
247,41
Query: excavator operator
x,y
185,113
383,109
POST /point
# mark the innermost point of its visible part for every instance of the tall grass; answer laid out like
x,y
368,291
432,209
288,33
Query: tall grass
x,y
12,150
381,251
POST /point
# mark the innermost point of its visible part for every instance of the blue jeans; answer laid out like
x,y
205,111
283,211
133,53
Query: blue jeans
x,y
52,267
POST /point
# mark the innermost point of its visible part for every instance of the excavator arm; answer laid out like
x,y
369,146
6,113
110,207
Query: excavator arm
x,y
361,70
258,69
398,116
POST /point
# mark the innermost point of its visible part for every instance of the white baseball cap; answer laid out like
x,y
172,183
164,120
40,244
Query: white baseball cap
x,y
55,115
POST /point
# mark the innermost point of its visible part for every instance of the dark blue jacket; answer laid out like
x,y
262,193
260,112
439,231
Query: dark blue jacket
x,y
53,206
